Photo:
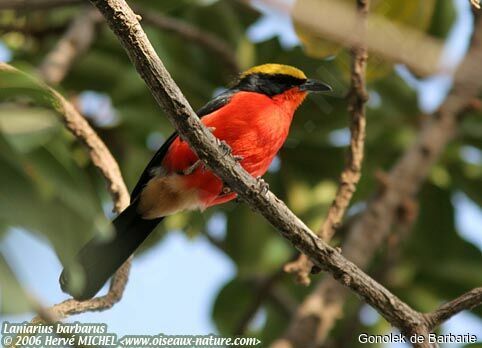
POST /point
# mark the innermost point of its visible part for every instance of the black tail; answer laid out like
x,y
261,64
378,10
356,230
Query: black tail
x,y
99,259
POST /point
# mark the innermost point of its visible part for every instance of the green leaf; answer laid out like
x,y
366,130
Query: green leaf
x,y
27,128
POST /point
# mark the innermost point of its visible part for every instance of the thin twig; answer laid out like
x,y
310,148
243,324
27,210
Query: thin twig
x,y
467,301
76,41
47,316
351,174
44,315
71,307
98,152
193,34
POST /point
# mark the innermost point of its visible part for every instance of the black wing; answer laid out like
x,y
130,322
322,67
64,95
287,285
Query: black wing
x,y
216,103
156,160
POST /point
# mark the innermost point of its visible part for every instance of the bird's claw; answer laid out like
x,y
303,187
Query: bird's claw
x,y
225,148
192,168
263,185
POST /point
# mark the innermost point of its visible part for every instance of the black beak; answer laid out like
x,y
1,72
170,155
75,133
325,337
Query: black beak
x,y
312,85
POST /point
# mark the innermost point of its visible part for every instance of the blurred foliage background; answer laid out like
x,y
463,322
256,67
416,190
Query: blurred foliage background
x,y
49,187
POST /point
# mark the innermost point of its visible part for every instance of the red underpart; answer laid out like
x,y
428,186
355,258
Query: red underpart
x,y
254,125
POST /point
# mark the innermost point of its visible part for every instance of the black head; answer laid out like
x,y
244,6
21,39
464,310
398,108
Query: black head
x,y
273,79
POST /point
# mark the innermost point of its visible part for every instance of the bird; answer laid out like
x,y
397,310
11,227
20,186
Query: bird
x,y
252,117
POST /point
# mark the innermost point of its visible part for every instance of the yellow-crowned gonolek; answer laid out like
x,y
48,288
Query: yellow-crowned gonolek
x,y
253,117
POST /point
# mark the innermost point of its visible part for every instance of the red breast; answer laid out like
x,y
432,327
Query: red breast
x,y
254,125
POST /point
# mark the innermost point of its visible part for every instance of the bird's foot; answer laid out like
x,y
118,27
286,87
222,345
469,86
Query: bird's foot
x,y
192,168
225,148
263,185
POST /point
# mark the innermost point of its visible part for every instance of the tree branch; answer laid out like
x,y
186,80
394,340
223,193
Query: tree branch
x,y
467,301
193,34
98,152
475,3
76,40
124,23
105,162
47,316
351,174
71,307
322,308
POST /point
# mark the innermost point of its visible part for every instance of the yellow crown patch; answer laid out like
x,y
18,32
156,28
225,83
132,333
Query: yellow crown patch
x,y
275,69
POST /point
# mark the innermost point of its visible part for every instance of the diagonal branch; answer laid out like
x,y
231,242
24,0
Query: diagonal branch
x,y
124,23
98,152
467,301
351,174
